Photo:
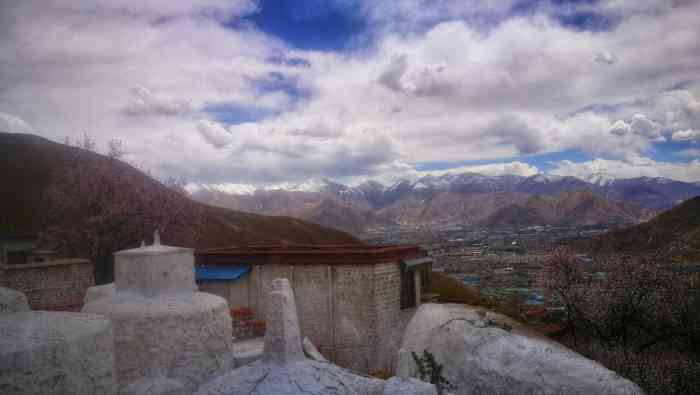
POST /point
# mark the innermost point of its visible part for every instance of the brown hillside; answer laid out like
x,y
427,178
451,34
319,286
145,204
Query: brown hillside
x,y
568,208
87,204
674,233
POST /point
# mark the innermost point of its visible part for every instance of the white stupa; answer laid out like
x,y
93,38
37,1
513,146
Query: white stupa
x,y
163,327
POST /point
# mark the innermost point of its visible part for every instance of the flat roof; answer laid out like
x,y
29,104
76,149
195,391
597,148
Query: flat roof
x,y
309,254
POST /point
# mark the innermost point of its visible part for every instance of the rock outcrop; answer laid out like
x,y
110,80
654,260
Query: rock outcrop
x,y
486,353
285,370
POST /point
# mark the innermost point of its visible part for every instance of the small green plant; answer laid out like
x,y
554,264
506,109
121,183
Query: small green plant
x,y
431,371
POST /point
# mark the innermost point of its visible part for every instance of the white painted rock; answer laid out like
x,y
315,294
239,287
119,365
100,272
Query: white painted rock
x,y
154,386
402,386
12,301
56,353
99,292
481,357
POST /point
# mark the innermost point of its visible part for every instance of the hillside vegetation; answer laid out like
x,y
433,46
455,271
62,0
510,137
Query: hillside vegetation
x,y
674,233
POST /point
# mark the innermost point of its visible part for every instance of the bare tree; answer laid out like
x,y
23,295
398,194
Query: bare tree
x,y
564,283
115,149
86,143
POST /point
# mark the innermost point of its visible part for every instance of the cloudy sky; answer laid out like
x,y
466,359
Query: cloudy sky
x,y
270,91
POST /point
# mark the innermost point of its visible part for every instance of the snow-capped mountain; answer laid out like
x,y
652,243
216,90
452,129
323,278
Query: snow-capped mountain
x,y
311,185
600,179
450,197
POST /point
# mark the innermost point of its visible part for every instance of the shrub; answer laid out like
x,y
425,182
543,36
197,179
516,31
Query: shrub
x,y
431,371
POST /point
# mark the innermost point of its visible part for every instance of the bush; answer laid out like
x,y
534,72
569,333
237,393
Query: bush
x,y
431,371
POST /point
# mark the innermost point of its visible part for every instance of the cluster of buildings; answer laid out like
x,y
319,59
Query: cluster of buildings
x,y
330,315
353,300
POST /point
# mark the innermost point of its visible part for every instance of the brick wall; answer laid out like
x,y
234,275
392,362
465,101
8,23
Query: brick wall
x,y
53,285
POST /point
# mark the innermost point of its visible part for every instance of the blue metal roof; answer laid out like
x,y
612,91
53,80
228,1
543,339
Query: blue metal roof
x,y
220,273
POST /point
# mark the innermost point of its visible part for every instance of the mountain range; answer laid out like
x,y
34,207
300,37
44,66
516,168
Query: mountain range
x,y
465,198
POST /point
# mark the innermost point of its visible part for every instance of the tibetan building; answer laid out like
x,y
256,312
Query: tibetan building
x,y
352,300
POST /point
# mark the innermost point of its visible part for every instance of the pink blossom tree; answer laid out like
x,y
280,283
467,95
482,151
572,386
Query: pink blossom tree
x,y
98,205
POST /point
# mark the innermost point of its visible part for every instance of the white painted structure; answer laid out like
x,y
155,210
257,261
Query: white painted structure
x,y
163,328
285,370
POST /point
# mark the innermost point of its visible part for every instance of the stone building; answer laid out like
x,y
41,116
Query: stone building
x,y
351,299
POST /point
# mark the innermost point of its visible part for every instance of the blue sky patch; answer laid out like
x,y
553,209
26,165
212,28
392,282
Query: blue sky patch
x,y
234,113
311,24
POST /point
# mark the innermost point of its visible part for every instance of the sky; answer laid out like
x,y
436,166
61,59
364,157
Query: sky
x,y
271,91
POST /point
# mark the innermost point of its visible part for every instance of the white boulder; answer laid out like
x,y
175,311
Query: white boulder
x,y
12,301
492,354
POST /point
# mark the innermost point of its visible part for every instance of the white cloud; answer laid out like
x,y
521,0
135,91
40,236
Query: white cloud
x,y
690,153
145,102
214,133
492,169
633,167
605,57
438,84
13,124
686,135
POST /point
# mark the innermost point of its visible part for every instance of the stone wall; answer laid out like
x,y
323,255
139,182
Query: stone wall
x,y
53,285
310,286
354,316
359,332
387,295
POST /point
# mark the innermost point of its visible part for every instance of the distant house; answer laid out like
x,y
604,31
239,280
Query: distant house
x,y
350,298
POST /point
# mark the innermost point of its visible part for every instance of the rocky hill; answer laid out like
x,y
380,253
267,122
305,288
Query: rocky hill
x,y
579,208
674,233
86,204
